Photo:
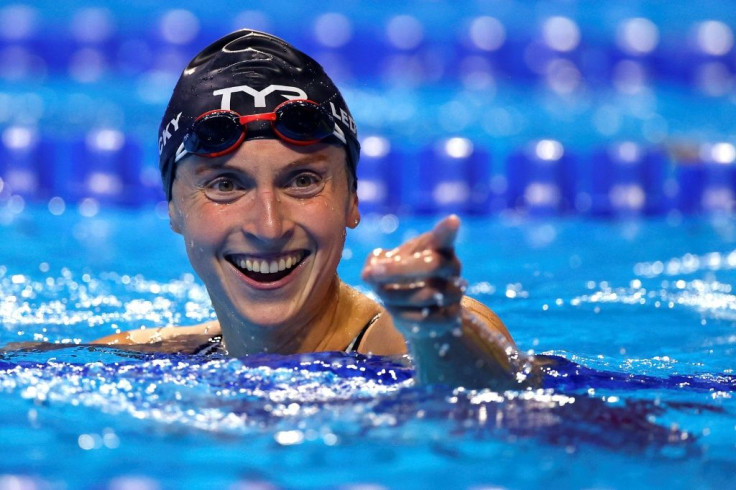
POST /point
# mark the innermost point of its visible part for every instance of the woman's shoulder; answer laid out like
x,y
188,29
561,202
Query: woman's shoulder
x,y
382,338
371,324
488,316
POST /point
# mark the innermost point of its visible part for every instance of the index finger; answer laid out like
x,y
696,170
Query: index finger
x,y
444,233
441,237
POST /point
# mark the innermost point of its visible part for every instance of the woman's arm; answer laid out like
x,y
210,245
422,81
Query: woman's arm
x,y
163,339
156,335
452,338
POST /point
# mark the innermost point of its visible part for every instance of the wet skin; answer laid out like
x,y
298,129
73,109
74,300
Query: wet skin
x,y
286,208
266,202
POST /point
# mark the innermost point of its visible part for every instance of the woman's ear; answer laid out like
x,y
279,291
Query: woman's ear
x,y
354,213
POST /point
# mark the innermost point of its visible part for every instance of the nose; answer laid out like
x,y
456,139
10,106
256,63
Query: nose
x,y
268,221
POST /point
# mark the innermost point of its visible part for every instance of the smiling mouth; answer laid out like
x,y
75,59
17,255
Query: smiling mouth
x,y
268,269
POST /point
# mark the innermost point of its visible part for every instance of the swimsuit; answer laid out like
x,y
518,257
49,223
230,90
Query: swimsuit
x,y
214,344
353,345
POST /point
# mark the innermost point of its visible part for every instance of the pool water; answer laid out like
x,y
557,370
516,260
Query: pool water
x,y
644,310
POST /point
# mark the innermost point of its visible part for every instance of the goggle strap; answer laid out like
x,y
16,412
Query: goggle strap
x,y
339,134
181,152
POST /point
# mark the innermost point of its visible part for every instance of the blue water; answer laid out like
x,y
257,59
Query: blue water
x,y
644,311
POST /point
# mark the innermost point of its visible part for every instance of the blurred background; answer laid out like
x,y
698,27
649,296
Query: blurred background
x,y
484,107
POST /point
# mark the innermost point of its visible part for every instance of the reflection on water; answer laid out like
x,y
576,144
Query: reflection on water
x,y
345,394
645,317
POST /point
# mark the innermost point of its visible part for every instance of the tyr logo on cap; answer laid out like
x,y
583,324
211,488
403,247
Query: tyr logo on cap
x,y
259,96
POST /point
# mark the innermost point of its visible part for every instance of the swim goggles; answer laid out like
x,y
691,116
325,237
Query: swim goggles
x,y
218,132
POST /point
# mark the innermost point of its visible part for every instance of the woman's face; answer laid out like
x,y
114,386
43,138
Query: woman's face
x,y
265,227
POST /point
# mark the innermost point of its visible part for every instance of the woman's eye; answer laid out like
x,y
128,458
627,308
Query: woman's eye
x,y
305,180
222,188
223,185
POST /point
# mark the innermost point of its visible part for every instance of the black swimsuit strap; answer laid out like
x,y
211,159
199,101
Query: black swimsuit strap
x,y
355,343
214,344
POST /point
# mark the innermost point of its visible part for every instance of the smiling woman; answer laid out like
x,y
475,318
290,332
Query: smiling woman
x,y
269,203
258,158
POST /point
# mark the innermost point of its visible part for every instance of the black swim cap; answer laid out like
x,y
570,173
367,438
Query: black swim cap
x,y
249,72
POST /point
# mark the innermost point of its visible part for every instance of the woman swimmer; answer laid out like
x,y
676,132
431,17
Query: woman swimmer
x,y
258,153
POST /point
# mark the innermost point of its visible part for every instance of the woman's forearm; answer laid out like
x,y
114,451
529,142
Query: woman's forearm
x,y
472,354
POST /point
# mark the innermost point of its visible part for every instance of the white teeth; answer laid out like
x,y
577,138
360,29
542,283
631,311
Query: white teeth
x,y
265,267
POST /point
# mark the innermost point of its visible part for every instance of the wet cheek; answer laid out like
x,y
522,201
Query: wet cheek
x,y
202,259
199,220
333,238
201,250
195,250
200,236
328,217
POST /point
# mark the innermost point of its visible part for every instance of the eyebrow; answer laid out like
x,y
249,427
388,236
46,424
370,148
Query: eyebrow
x,y
204,167
223,164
